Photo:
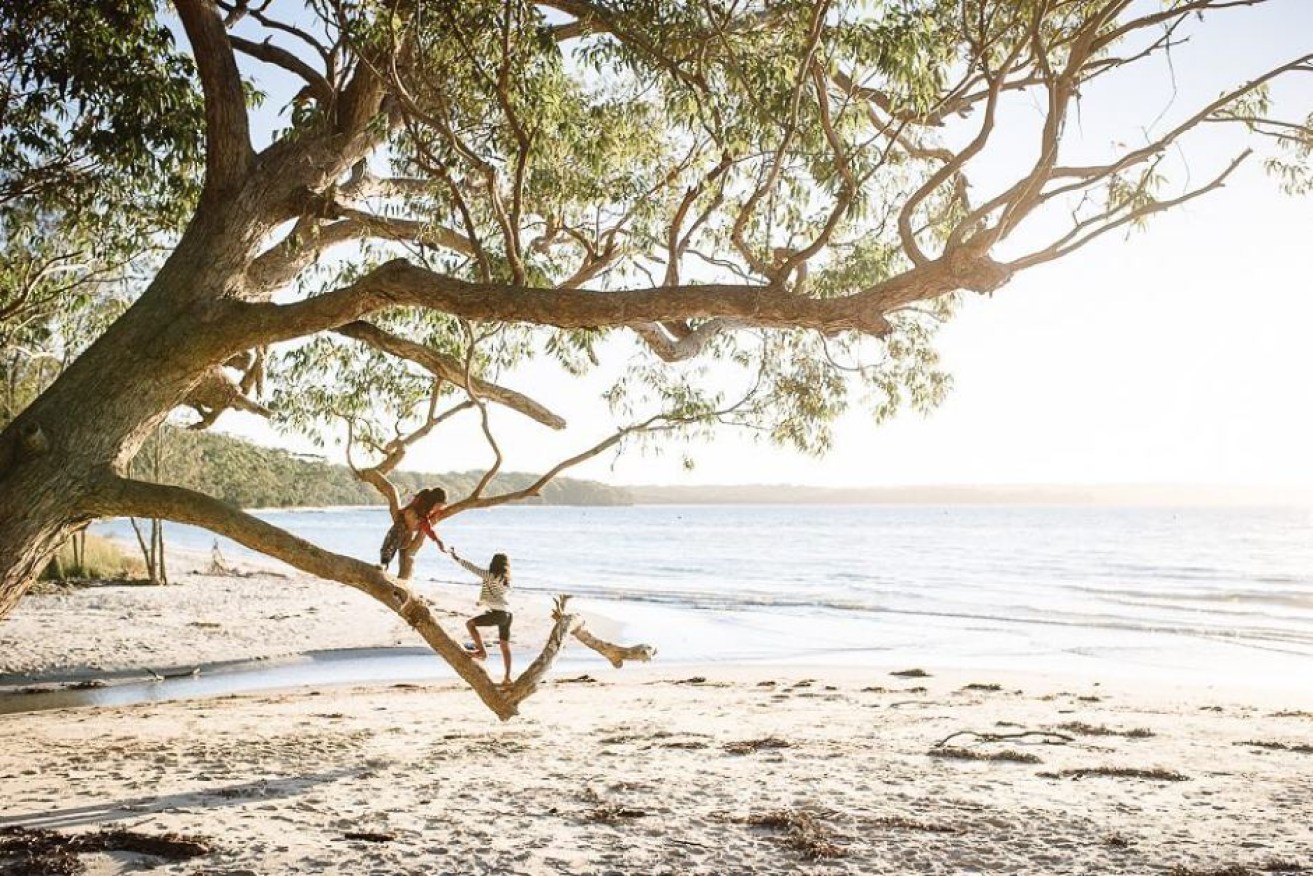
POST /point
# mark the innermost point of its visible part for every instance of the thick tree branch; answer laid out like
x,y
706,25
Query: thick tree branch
x,y
319,87
228,152
400,283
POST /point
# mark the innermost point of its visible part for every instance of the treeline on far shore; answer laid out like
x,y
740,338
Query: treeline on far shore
x,y
250,476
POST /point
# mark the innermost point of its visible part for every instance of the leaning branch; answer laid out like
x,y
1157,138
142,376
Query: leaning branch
x,y
123,497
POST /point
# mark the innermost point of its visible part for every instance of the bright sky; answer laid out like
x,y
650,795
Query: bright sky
x,y
1178,355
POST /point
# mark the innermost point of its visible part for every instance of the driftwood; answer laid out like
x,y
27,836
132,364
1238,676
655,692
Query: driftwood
x,y
504,700
617,654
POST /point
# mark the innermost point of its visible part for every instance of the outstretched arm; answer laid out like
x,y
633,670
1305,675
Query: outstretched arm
x,y
427,528
483,573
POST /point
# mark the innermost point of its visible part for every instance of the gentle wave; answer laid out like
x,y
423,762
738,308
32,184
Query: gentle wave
x,y
1223,586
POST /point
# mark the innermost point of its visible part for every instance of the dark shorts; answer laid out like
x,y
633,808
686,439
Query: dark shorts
x,y
392,542
496,618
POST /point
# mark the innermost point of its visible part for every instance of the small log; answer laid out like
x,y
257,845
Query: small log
x,y
616,654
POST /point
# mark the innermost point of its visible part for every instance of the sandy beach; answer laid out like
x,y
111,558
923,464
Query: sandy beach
x,y
650,769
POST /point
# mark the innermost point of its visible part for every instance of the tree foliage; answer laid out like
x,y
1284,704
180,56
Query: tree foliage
x,y
100,146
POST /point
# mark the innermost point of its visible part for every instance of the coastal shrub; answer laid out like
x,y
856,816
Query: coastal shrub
x,y
93,558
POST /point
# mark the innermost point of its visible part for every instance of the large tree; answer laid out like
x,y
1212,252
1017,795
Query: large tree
x,y
775,202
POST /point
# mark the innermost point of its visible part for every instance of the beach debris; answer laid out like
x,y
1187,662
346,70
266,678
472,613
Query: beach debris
x,y
220,567
1291,713
1007,754
1080,728
902,822
608,811
1044,736
1226,870
369,836
748,746
86,684
40,852
697,679
624,738
1277,746
1156,773
804,832
975,685
911,673
180,673
687,744
578,679
1116,840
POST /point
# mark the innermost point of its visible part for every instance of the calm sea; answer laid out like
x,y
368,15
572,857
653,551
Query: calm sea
x,y
1193,593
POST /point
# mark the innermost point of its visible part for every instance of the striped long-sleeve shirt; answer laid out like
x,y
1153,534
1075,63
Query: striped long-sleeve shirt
x,y
493,594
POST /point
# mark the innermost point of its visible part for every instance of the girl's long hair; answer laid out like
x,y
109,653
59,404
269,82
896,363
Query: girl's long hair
x,y
500,566
426,498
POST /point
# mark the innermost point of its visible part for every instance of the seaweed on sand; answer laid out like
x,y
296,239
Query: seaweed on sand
x,y
803,832
747,746
36,852
954,753
1083,729
1157,773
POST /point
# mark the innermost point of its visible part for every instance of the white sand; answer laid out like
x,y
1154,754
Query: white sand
x,y
633,773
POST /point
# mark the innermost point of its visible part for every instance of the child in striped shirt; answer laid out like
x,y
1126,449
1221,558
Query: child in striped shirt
x,y
492,598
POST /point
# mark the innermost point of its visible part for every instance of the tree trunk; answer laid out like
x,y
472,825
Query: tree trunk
x,y
92,420
407,562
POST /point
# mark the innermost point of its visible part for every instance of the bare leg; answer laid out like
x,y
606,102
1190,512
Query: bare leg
x,y
479,652
506,660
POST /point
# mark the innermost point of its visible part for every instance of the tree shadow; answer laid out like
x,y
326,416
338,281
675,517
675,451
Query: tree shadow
x,y
227,795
